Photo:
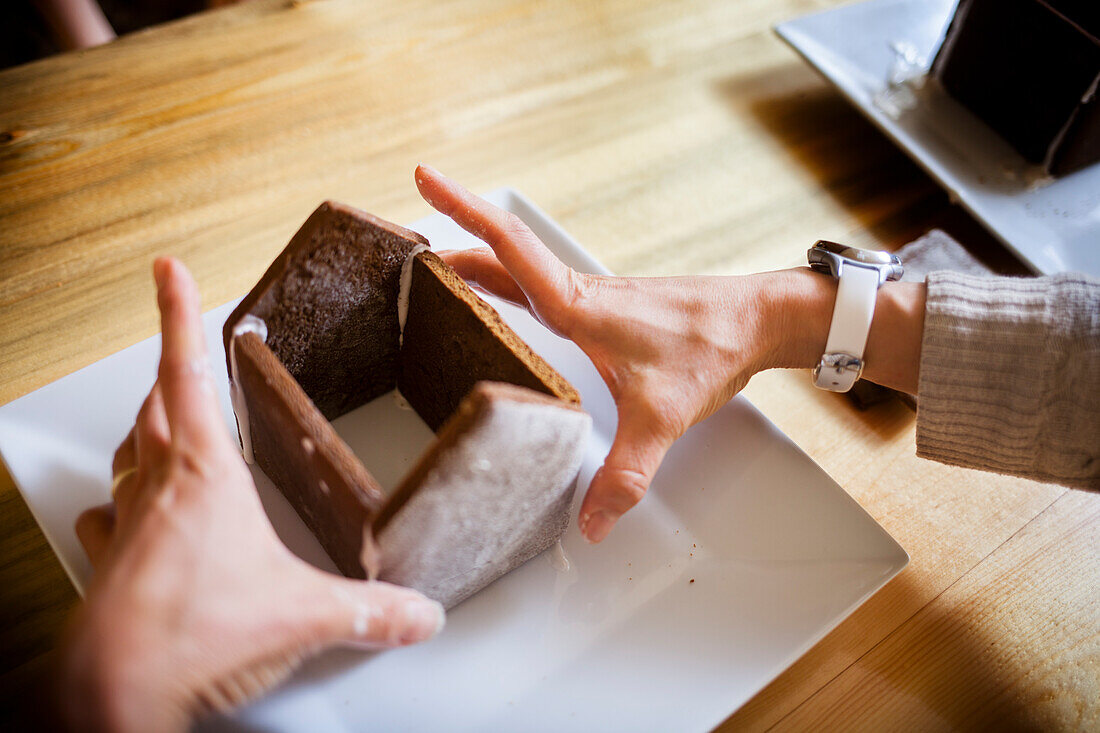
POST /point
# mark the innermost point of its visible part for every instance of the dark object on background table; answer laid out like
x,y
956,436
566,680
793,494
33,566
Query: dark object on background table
x,y
25,36
1030,70
127,16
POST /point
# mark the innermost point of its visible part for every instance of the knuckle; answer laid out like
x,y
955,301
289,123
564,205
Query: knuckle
x,y
578,293
667,419
152,439
174,367
84,522
651,402
629,485
142,419
569,302
512,227
191,464
121,458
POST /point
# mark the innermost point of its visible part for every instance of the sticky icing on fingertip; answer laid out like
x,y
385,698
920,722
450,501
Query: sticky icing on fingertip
x,y
200,367
361,623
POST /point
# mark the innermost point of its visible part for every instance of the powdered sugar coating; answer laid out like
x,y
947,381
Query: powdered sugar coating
x,y
466,526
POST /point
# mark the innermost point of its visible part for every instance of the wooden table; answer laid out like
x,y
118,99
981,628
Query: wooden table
x,y
668,137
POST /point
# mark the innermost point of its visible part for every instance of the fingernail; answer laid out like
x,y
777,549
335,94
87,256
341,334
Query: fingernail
x,y
160,271
423,620
598,527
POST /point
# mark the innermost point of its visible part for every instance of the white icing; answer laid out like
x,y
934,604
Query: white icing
x,y
465,526
370,557
406,284
248,324
201,369
361,623
558,558
362,612
400,401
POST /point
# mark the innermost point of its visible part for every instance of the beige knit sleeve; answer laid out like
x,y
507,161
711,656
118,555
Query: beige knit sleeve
x,y
1010,376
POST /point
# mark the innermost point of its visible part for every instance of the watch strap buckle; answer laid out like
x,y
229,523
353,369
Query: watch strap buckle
x,y
837,372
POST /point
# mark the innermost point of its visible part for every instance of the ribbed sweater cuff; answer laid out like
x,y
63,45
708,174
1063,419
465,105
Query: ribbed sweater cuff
x,y
1010,376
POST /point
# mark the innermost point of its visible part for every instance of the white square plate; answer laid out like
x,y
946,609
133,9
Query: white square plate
x,y
1053,227
622,640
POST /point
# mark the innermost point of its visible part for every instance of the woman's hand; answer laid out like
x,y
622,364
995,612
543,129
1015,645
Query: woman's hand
x,y
196,604
671,350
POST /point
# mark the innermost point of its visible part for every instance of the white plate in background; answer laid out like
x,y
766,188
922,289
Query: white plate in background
x,y
1053,227
623,640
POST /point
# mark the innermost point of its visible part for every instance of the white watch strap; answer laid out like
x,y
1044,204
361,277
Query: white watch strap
x,y
852,315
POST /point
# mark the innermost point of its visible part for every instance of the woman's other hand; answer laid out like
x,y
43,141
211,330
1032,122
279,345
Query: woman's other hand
x,y
196,604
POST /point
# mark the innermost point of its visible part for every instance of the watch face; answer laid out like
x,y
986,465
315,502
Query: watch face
x,y
833,247
870,256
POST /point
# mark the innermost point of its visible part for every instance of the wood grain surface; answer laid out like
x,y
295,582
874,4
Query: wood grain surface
x,y
668,137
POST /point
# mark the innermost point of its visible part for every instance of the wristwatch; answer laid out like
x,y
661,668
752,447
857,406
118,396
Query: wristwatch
x,y
860,272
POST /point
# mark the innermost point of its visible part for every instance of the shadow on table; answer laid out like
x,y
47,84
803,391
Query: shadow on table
x,y
884,419
862,170
893,200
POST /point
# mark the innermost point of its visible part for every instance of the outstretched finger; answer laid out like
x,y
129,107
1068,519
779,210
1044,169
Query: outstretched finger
x,y
624,478
94,528
481,269
546,281
185,377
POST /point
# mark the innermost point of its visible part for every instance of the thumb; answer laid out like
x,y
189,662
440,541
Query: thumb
x,y
624,478
376,615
